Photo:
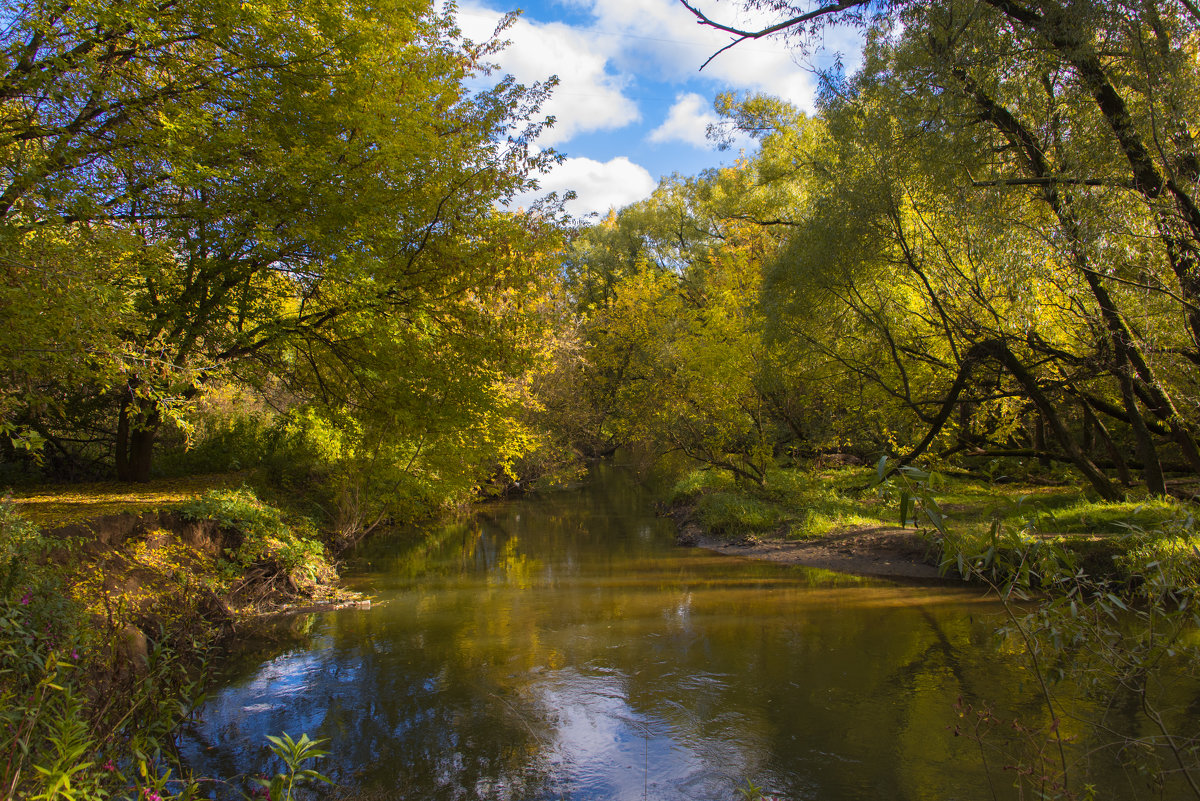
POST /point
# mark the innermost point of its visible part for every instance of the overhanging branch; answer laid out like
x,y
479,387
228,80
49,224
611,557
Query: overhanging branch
x,y
743,35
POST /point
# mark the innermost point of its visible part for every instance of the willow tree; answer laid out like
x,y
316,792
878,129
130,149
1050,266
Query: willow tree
x,y
1073,123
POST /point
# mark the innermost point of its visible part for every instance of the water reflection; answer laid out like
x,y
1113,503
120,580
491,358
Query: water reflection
x,y
564,647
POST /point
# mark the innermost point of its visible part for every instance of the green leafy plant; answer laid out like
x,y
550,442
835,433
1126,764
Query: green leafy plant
x,y
267,534
294,753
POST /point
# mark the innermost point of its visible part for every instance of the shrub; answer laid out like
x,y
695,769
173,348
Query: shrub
x,y
267,536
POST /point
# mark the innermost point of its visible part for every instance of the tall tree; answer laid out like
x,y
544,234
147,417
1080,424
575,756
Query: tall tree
x,y
292,181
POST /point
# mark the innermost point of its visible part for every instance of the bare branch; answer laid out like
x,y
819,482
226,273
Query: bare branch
x,y
743,35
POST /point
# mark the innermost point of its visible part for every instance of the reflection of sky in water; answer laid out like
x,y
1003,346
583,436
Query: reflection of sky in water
x,y
564,648
603,748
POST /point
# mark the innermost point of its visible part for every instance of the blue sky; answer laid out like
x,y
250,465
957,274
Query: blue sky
x,y
632,104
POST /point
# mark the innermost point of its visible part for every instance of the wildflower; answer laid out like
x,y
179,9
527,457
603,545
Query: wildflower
x,y
26,598
150,795
75,654
109,766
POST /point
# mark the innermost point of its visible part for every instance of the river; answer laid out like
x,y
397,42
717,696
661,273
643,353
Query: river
x,y
563,647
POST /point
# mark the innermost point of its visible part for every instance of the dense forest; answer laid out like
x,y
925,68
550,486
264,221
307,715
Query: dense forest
x,y
262,230
282,239
983,247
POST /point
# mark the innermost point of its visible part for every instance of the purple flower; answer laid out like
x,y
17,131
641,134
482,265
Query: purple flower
x,y
75,654
109,766
26,598
151,795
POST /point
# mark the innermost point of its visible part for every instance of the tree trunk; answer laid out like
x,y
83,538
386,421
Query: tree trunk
x,y
1114,453
1100,482
1148,454
136,432
141,448
121,446
1087,439
1039,437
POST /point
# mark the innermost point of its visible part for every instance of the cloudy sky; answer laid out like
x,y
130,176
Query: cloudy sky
x,y
632,104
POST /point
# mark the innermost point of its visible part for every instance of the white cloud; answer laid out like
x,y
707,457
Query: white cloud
x,y
687,122
588,97
663,36
599,186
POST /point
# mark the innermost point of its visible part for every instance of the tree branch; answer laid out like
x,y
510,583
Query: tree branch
x,y
743,35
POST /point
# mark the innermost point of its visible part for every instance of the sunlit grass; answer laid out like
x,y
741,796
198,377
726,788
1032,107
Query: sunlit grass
x,y
60,505
793,503
803,502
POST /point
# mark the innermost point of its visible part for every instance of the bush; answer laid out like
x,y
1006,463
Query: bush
x,y
222,446
267,536
67,720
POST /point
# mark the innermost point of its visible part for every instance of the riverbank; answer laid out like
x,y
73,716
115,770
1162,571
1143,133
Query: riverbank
x,y
150,550
878,551
115,602
838,518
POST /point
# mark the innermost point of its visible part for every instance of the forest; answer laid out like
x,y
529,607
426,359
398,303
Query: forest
x,y
280,242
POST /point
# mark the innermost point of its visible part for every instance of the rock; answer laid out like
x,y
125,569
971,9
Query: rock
x,y
134,650
688,534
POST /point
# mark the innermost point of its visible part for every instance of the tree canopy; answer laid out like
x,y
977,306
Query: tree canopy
x,y
982,247
305,199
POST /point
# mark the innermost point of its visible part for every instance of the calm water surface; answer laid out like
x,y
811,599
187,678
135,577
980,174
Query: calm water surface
x,y
563,647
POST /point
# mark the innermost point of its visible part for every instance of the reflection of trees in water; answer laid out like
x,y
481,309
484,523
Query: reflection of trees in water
x,y
538,649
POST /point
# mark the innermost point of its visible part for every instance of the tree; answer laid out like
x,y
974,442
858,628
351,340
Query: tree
x,y
1061,154
298,182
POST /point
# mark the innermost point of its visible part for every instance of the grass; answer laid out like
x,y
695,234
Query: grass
x,y
795,504
800,503
59,505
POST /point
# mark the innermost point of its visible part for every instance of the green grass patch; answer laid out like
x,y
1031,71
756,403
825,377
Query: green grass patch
x,y
60,505
733,513
1049,536
696,483
1081,516
793,503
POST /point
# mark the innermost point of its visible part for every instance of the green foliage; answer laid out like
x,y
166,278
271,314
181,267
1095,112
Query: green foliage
x,y
308,207
735,514
267,535
224,440
354,476
294,754
695,483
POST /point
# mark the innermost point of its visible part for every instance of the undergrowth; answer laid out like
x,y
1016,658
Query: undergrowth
x,y
74,709
90,707
267,535
792,503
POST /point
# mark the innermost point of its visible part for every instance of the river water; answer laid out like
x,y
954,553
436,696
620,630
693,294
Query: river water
x,y
563,647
